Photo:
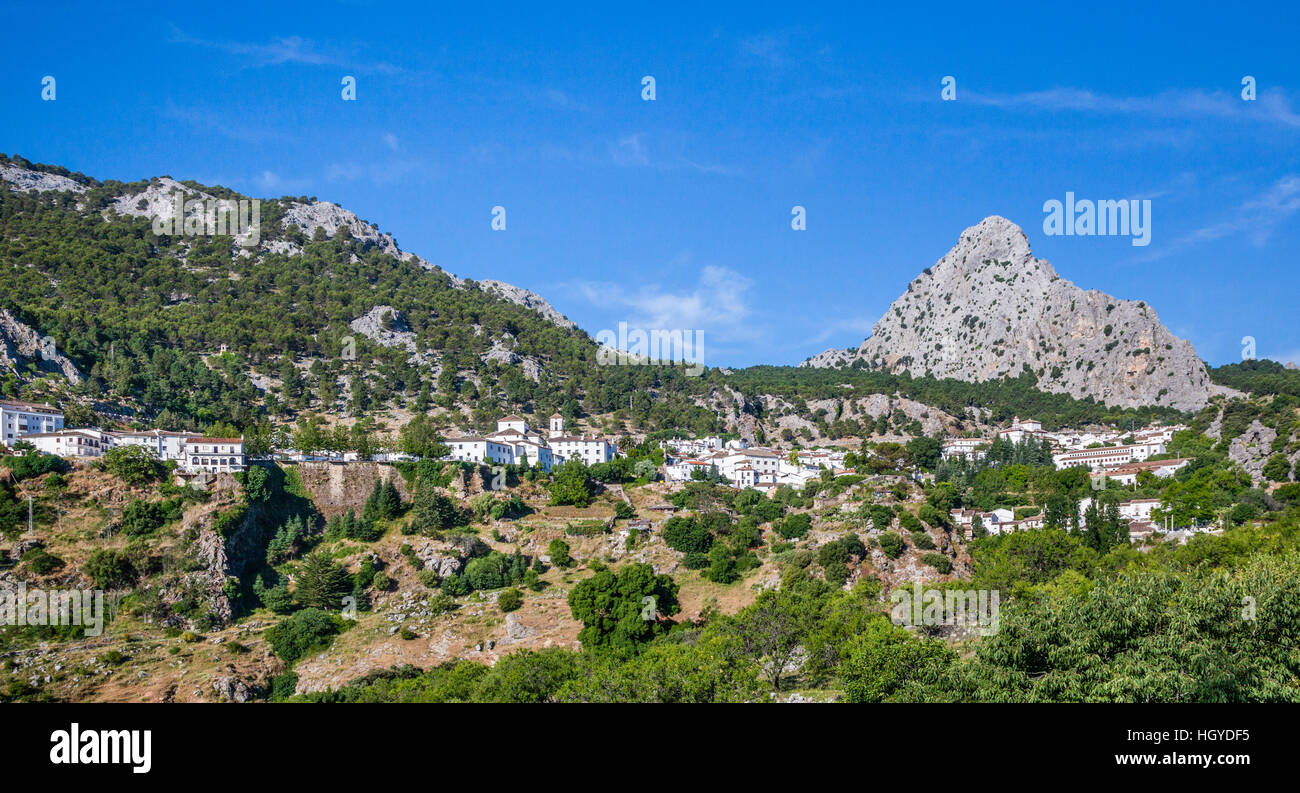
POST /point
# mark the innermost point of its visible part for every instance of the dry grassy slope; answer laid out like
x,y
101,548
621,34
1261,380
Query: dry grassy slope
x,y
235,661
160,665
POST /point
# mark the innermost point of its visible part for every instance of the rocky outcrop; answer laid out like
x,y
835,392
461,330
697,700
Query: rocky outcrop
x,y
1252,448
332,218
988,310
394,333
22,180
229,687
442,558
527,299
20,343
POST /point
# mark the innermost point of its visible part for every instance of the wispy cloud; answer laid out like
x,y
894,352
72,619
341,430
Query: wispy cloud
x,y
379,173
226,125
1271,107
1255,219
769,47
859,326
629,151
634,150
287,49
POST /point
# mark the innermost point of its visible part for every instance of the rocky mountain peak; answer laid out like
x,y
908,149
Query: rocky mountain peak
x,y
989,309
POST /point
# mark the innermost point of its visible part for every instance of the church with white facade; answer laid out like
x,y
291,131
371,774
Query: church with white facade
x,y
515,442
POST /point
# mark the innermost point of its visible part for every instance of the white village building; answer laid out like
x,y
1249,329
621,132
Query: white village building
x,y
1107,456
212,455
515,441
1019,430
963,447
1127,473
995,522
71,443
162,444
22,418
581,447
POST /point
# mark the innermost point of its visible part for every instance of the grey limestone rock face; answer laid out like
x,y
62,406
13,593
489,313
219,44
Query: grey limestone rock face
x,y
988,309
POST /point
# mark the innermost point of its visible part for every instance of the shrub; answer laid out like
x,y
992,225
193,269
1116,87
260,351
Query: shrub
x,y
34,463
687,535
695,560
510,599
938,561
1288,494
923,540
441,603
1277,469
257,488
881,516
230,520
794,526
41,562
276,598
559,553
134,465
933,516
301,633
284,685
853,544
141,517
108,569
831,554
429,578
891,544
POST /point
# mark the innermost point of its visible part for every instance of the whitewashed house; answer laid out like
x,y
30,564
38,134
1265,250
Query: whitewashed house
x,y
568,447
162,444
213,455
22,418
71,443
1019,430
476,449
963,447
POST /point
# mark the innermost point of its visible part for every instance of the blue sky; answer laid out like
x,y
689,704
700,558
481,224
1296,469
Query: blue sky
x,y
676,213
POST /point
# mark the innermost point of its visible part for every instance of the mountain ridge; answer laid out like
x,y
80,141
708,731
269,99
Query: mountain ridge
x,y
156,201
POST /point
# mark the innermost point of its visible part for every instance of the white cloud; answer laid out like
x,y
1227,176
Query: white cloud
x,y
1256,219
287,49
717,304
860,326
630,151
1271,106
